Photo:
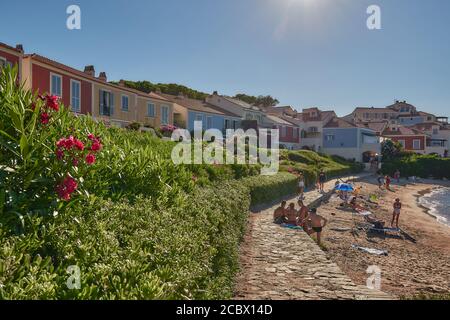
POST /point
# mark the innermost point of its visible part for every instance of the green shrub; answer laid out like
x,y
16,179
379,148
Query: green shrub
x,y
419,165
144,250
264,189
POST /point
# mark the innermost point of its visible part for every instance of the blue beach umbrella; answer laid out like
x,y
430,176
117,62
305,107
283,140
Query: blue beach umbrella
x,y
344,187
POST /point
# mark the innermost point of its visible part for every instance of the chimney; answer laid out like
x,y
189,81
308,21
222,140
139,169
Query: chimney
x,y
90,70
20,48
122,83
102,77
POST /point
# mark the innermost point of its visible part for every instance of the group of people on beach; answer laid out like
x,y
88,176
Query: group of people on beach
x,y
322,178
306,218
386,180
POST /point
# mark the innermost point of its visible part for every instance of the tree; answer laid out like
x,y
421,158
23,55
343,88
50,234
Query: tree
x,y
391,150
265,101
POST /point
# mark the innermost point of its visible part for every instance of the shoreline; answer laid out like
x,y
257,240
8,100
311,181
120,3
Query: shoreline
x,y
424,193
411,268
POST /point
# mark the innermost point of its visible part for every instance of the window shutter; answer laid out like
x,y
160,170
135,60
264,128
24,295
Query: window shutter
x,y
112,103
101,99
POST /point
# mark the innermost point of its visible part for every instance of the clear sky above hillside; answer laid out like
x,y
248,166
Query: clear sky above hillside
x,y
303,52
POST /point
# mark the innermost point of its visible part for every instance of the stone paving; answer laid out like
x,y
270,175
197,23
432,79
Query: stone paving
x,y
284,264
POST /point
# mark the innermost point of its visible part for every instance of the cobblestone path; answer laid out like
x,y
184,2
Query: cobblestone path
x,y
279,263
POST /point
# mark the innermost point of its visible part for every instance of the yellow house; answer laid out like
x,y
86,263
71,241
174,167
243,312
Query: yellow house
x,y
121,106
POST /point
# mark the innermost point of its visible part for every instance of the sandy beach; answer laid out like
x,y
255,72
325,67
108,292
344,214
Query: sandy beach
x,y
411,267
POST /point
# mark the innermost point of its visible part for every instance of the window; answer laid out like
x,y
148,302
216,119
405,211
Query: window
x,y
294,133
435,131
227,124
416,144
235,124
329,137
164,115
429,118
106,103
125,100
402,142
75,95
199,117
209,122
56,85
313,129
283,131
151,110
2,62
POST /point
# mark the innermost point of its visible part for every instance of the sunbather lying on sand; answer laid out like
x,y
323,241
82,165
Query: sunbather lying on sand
x,y
279,215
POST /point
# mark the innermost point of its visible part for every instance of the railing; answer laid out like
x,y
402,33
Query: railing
x,y
311,135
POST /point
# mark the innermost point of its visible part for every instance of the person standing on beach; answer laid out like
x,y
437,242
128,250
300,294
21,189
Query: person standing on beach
x,y
387,182
322,179
301,186
317,223
397,175
380,181
397,209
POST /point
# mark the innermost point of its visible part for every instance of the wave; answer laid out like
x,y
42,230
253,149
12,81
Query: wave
x,y
438,204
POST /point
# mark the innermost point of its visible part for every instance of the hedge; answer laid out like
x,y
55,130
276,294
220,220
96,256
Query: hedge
x,y
424,166
131,251
264,189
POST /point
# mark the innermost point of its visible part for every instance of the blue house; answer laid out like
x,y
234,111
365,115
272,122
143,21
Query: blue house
x,y
187,111
350,141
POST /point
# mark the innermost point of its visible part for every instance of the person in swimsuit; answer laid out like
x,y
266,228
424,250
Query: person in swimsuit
x,y
317,224
291,214
301,186
397,175
397,209
302,215
380,181
279,215
322,179
387,181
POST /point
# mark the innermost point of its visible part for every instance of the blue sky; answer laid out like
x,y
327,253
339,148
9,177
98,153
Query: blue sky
x,y
303,52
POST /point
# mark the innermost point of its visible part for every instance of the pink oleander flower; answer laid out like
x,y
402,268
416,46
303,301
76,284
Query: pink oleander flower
x,y
45,118
78,144
59,154
90,159
53,102
96,146
66,188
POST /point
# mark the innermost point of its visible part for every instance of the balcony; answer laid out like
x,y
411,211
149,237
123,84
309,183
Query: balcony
x,y
443,120
311,135
436,143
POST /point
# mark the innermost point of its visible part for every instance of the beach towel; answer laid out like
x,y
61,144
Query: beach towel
x,y
363,212
340,229
291,226
385,229
371,250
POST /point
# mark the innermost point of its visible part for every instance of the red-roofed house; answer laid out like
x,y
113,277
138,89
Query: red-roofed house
x,y
11,56
289,133
411,139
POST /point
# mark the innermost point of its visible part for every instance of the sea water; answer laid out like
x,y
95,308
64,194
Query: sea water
x,y
438,203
